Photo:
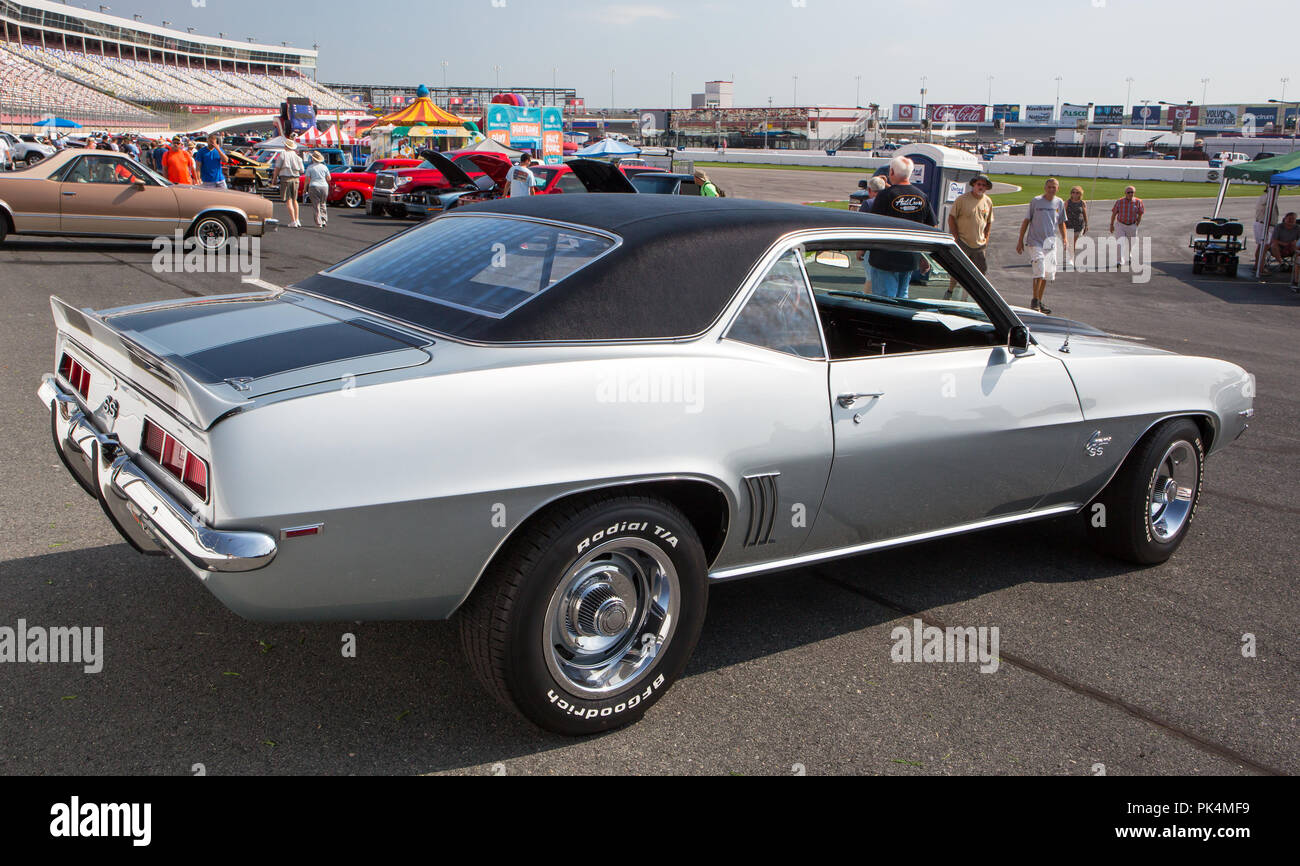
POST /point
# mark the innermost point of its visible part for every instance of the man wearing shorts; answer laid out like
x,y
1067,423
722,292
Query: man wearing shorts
x,y
1043,232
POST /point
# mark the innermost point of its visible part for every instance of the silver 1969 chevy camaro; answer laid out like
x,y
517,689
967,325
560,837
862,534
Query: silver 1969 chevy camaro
x,y
561,418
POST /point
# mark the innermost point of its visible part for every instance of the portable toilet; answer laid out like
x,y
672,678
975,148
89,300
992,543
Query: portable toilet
x,y
942,173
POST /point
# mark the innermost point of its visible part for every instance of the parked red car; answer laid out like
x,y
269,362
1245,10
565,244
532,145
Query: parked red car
x,y
553,179
391,187
354,188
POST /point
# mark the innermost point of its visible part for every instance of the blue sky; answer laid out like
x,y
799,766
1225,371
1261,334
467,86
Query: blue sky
x,y
1167,47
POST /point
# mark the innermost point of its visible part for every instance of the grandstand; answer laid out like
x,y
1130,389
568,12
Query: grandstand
x,y
118,74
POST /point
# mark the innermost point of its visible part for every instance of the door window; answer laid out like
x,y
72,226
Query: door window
x,y
867,311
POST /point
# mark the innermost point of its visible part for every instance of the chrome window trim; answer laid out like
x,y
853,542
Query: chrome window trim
x,y
797,249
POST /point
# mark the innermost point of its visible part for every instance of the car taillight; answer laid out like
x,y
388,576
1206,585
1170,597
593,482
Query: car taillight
x,y
75,375
179,461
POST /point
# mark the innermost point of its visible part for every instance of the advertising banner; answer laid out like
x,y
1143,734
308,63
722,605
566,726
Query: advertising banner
x,y
1005,111
1189,113
1146,115
1256,119
1111,115
1039,113
1221,115
942,112
1071,112
907,113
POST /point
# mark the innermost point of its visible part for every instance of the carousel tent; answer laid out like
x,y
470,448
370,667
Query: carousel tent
x,y
421,112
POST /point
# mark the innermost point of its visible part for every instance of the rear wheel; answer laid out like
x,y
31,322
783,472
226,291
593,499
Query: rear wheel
x,y
212,232
353,198
1149,504
33,158
590,615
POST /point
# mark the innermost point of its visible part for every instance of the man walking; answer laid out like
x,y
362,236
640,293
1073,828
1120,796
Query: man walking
x,y
521,177
1045,224
1127,214
970,220
891,270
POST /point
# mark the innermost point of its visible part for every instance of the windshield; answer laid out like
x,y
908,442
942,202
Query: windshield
x,y
489,266
653,183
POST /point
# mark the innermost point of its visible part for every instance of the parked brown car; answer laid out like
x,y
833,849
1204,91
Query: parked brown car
x,y
100,193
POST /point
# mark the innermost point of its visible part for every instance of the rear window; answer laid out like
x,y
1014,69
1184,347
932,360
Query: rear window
x,y
485,265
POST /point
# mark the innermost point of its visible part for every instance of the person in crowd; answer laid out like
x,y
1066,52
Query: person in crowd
x,y
157,154
707,187
5,154
176,163
287,169
891,270
521,176
875,187
1043,232
1127,214
1076,220
1284,237
131,147
970,220
211,159
318,188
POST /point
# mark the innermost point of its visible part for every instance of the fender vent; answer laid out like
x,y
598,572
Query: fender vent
x,y
762,508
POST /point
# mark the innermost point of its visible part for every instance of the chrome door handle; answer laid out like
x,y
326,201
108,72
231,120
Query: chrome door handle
x,y
847,400
69,193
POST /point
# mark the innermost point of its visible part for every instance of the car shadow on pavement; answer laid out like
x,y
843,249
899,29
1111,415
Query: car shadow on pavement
x,y
62,245
186,682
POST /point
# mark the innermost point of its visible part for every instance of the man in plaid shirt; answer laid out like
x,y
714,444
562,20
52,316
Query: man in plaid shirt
x,y
1127,212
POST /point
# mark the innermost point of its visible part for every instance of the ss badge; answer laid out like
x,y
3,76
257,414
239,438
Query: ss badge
x,y
1096,446
108,408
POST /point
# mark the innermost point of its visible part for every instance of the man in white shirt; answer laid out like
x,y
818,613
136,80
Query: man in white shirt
x,y
4,154
521,177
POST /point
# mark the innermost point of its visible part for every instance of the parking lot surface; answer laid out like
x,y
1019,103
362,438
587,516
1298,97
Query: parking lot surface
x,y
1105,667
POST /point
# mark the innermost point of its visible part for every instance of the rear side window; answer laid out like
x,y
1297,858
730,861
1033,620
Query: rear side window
x,y
485,265
779,315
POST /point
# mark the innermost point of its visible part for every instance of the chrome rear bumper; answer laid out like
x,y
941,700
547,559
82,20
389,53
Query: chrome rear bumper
x,y
144,513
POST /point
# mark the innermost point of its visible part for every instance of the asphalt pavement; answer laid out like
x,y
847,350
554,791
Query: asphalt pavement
x,y
1105,667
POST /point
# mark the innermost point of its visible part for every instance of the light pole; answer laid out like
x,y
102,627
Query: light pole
x,y
1284,83
1171,123
672,85
857,94
1205,86
611,91
1058,98
990,93
497,69
921,120
1128,94
444,80
1284,105
767,139
795,78
1146,111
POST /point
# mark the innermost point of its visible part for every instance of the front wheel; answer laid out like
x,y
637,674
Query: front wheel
x,y
354,198
212,232
1146,509
33,158
590,614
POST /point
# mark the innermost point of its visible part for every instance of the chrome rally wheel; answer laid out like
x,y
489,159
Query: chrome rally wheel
x,y
589,612
610,616
1173,489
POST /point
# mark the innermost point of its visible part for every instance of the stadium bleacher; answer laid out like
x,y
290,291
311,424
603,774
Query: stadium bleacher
x,y
31,89
149,83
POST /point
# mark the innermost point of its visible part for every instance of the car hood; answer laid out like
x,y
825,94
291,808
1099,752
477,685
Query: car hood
x,y
454,174
243,346
599,176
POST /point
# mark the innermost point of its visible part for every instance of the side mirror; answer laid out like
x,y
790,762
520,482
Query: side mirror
x,y
1018,339
138,185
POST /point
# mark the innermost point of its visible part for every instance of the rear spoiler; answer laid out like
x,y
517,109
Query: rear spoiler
x,y
165,383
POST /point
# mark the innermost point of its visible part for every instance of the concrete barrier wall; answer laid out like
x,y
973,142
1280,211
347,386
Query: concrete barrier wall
x,y
1041,166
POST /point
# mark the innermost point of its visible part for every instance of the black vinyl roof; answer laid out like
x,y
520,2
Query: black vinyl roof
x,y
682,258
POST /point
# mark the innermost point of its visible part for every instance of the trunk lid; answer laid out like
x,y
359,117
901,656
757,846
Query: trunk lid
x,y
214,354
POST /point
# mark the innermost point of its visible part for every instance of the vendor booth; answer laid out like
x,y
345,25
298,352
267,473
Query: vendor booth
x,y
1277,172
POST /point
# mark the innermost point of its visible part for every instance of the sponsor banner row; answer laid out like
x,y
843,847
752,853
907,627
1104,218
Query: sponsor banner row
x,y
1217,116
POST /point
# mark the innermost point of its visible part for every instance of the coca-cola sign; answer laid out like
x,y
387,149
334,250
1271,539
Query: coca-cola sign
x,y
957,113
